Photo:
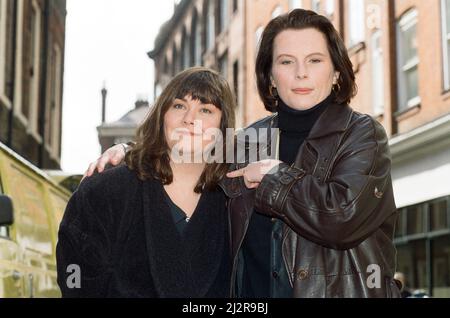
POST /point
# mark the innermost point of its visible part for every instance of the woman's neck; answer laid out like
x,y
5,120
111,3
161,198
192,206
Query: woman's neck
x,y
187,173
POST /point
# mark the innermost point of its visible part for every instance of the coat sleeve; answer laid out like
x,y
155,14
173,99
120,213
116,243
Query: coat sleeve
x,y
341,211
81,252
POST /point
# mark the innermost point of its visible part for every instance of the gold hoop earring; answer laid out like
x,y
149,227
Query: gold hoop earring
x,y
336,88
274,94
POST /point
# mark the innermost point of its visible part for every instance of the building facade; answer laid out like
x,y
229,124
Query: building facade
x,y
124,129
400,52
32,36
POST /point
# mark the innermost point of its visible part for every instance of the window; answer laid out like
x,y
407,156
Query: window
x,y
441,267
223,15
185,48
3,25
174,59
412,261
445,10
315,6
329,7
277,11
438,215
223,65
377,74
415,220
423,247
7,51
196,42
408,61
55,102
34,85
210,30
165,66
236,80
294,4
356,26
21,63
400,230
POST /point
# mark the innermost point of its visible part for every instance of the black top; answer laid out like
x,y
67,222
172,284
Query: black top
x,y
119,231
178,215
262,243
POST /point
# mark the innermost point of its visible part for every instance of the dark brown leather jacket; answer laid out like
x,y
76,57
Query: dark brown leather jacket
x,y
337,205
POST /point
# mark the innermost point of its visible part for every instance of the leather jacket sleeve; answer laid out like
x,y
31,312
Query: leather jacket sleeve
x,y
337,212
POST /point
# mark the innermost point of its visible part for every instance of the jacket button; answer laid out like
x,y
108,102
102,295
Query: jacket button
x,y
302,274
286,179
275,274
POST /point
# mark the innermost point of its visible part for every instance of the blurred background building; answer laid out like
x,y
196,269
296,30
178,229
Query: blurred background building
x,y
400,51
32,36
123,129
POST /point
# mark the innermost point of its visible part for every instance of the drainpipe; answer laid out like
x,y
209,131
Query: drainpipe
x,y
43,85
13,80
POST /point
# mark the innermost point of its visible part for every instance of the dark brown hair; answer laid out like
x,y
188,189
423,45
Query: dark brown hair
x,y
150,156
302,19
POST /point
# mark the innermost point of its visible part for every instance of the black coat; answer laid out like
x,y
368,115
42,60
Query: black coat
x,y
119,231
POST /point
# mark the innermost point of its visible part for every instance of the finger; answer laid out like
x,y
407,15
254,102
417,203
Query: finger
x,y
102,162
251,185
236,173
116,159
91,169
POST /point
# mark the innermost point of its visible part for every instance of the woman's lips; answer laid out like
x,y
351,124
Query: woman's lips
x,y
302,91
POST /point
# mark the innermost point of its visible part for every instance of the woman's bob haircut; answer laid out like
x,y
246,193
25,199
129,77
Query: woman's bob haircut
x,y
299,19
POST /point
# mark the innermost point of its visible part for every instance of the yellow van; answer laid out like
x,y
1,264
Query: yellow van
x,y
31,207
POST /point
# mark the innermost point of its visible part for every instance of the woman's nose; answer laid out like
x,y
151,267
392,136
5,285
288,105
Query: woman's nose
x,y
189,117
301,72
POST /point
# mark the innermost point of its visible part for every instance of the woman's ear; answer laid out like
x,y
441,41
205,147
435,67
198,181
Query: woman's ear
x,y
272,82
336,77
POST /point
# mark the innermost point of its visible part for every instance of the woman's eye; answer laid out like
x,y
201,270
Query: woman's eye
x,y
316,61
286,62
206,111
178,106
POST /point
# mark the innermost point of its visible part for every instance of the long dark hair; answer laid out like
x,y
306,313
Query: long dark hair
x,y
150,156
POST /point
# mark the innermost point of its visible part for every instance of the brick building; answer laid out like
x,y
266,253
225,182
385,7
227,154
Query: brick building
x,y
32,34
401,55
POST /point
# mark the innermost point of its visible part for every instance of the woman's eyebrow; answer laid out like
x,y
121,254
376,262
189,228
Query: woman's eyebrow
x,y
292,56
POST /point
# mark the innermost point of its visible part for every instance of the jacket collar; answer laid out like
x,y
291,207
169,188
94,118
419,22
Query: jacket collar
x,y
183,266
335,118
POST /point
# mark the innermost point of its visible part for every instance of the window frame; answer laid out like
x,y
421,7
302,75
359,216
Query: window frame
x,y
445,45
407,21
377,54
352,13
295,4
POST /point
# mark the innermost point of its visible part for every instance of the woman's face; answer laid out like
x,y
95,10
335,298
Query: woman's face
x,y
188,126
302,69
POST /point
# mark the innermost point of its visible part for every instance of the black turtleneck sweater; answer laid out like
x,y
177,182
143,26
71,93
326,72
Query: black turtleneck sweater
x,y
264,275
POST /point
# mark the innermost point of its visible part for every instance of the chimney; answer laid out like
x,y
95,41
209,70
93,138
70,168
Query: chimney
x,y
104,93
140,103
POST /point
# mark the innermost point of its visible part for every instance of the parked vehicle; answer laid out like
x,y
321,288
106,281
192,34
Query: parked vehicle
x,y
31,207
